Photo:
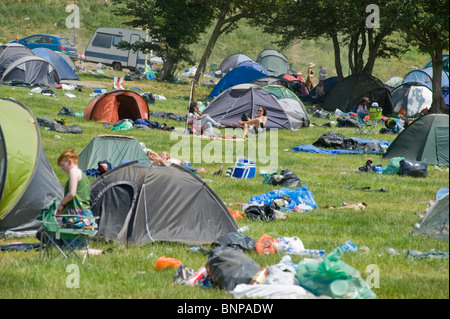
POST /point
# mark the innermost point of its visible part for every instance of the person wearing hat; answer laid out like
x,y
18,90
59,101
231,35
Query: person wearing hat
x,y
362,110
299,76
322,73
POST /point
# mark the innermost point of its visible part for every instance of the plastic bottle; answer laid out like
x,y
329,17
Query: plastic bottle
x,y
197,276
392,251
260,276
349,246
243,229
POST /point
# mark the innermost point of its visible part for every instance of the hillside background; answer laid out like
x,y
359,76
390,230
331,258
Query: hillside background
x,y
26,17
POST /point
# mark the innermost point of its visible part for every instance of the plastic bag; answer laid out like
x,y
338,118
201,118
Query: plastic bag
x,y
264,213
332,277
413,168
237,239
289,245
265,245
164,262
393,166
237,215
228,267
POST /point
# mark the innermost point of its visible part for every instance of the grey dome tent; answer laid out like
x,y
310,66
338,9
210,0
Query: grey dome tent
x,y
232,61
11,52
347,93
112,148
32,70
27,181
158,203
435,222
411,97
229,106
275,62
295,111
426,140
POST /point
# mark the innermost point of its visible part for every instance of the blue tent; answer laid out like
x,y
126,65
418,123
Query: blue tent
x,y
240,75
65,71
253,64
232,62
425,77
328,84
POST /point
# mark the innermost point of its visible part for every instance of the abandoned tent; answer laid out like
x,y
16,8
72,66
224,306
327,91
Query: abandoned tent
x,y
347,93
232,61
11,52
31,70
411,98
65,71
239,75
426,140
24,169
275,62
158,203
117,105
112,148
229,106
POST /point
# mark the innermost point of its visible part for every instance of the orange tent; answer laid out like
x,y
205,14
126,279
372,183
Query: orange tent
x,y
117,105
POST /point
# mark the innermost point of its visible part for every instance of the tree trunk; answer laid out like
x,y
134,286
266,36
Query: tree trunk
x,y
337,56
206,54
437,105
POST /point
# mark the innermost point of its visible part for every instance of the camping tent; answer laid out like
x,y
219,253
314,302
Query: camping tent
x,y
233,61
239,75
425,139
297,86
253,64
11,52
158,203
32,69
425,77
346,94
280,91
275,62
228,107
444,59
27,182
113,148
65,71
272,80
117,105
411,97
393,82
435,222
295,111
328,84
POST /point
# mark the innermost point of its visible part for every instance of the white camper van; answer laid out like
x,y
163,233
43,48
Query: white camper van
x,y
102,48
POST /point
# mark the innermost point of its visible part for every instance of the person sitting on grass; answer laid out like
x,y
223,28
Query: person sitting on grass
x,y
258,123
166,160
203,120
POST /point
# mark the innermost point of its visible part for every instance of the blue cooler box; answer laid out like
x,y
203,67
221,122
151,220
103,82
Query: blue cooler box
x,y
244,168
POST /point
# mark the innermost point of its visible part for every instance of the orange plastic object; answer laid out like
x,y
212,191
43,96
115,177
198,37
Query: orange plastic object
x,y
236,214
264,245
164,262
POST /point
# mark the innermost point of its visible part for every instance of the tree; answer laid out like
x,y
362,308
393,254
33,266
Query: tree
x,y
367,35
427,27
226,14
173,26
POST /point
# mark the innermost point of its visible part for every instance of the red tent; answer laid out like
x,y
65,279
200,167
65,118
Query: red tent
x,y
117,105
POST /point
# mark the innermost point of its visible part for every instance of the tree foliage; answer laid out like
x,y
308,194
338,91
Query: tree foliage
x,y
173,26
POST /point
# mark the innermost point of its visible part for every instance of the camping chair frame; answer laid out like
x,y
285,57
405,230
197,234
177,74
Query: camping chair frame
x,y
66,241
369,126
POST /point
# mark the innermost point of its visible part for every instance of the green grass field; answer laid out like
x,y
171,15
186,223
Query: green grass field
x,y
129,271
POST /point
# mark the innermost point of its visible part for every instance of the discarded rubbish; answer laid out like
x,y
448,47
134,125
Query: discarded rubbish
x,y
392,251
164,262
349,246
260,276
197,276
265,245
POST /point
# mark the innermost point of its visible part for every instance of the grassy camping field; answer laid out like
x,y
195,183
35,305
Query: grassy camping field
x,y
129,272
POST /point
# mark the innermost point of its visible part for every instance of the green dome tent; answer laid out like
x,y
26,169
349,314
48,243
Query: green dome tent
x,y
24,170
425,140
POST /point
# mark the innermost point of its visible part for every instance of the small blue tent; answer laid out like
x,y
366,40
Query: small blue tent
x,y
425,77
256,66
65,71
240,75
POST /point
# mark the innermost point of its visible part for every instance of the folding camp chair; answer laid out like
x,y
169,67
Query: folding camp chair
x,y
65,241
368,127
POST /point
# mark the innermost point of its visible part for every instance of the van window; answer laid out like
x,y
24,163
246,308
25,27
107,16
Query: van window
x,y
116,40
102,40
